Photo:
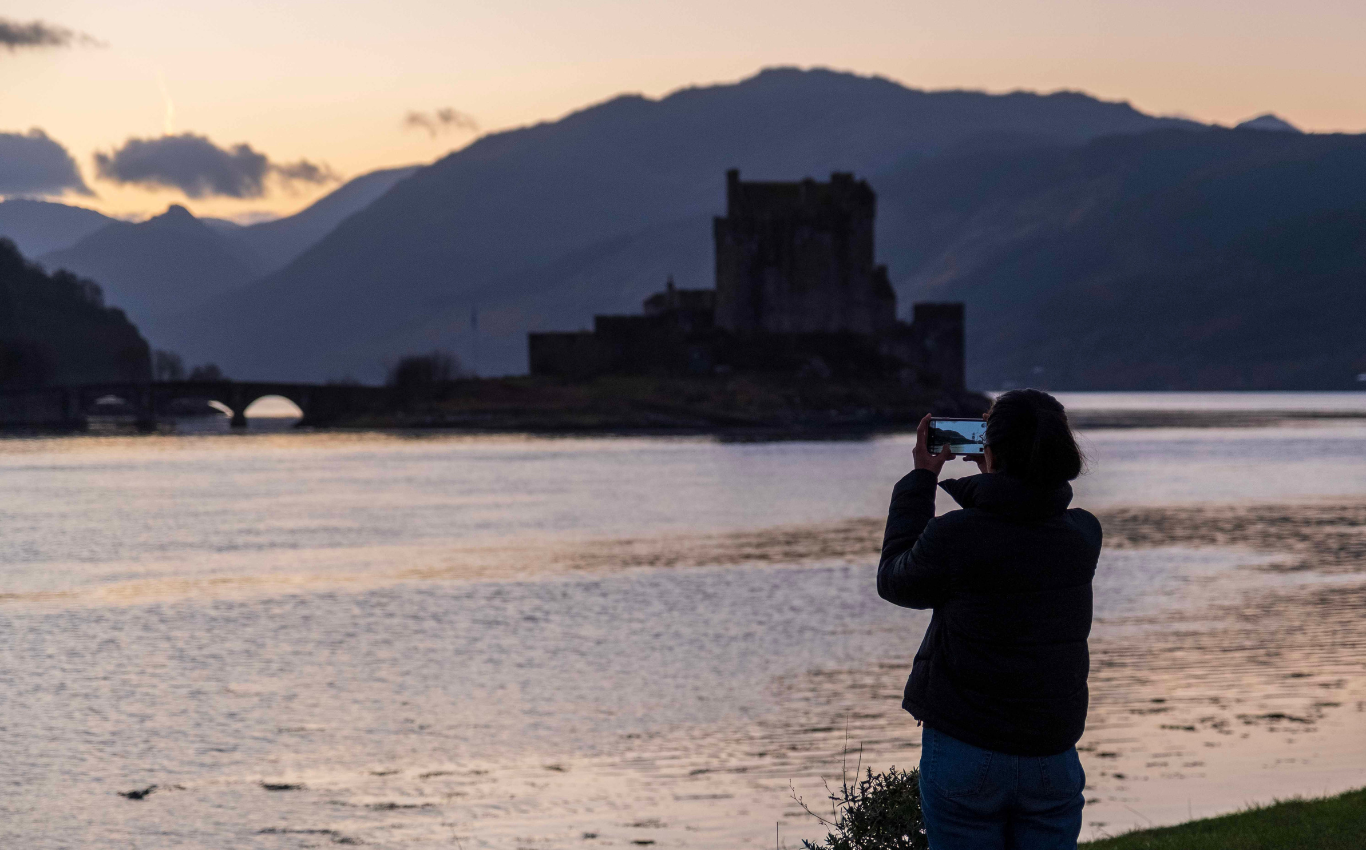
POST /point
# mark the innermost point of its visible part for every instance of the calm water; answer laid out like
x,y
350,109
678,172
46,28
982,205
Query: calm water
x,y
513,642
1353,402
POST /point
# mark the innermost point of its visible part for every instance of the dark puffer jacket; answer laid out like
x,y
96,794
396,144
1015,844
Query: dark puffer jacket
x,y
1003,665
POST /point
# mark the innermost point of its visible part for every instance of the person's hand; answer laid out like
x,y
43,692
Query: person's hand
x,y
923,458
980,460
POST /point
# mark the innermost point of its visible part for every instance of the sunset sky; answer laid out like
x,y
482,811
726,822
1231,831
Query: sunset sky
x,y
331,83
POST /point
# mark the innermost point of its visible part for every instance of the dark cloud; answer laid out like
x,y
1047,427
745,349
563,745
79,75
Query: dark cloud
x,y
33,164
198,167
440,121
14,35
304,171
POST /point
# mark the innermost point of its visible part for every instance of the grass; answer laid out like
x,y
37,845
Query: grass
x,y
1331,823
882,812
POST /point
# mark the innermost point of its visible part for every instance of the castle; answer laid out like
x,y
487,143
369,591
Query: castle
x,y
798,258
797,290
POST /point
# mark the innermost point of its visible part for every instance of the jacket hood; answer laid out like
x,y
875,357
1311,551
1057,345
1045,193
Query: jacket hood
x,y
998,493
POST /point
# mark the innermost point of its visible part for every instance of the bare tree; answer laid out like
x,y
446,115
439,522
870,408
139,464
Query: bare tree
x,y
167,366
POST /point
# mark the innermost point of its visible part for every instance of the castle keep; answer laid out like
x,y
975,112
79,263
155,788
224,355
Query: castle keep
x,y
797,290
798,258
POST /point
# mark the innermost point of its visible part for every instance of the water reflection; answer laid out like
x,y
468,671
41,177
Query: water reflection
x,y
515,642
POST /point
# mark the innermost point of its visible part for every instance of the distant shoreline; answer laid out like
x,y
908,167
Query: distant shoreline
x,y
752,408
1088,420
1100,419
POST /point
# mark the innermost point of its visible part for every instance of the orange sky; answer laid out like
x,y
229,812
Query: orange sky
x,y
331,81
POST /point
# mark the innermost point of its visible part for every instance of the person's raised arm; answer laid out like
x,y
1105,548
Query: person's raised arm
x,y
910,575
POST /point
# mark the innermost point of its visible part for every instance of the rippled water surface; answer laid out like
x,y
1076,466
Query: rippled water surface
x,y
1232,401
313,639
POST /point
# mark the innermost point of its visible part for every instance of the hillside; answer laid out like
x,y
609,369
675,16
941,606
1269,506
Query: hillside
x,y
1223,259
158,268
541,226
38,227
276,243
55,329
1172,259
172,263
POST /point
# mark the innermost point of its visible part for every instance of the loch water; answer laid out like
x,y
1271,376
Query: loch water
x,y
435,640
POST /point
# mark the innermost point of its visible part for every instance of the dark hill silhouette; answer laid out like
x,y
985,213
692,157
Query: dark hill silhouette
x,y
159,267
1223,259
496,223
38,227
277,242
171,263
55,329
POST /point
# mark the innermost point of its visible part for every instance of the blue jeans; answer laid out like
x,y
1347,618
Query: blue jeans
x,y
975,799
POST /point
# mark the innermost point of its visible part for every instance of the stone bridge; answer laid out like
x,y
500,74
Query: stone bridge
x,y
70,408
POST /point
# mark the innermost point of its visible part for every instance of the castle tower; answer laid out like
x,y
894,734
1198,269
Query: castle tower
x,y
798,258
938,333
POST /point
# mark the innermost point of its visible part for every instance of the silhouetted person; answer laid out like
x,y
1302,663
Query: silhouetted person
x,y
999,681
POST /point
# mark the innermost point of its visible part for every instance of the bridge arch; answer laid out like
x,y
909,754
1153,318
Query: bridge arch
x,y
274,407
69,407
281,405
273,397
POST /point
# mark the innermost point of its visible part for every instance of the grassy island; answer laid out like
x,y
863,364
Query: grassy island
x,y
755,403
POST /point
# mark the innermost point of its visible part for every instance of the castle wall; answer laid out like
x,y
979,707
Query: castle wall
x,y
798,258
797,292
933,344
576,354
658,344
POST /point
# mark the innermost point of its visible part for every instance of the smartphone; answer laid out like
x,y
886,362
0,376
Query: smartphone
x,y
964,436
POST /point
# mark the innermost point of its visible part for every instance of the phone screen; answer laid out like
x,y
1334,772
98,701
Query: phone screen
x,y
964,436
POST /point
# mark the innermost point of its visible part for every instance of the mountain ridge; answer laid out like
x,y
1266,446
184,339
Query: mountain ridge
x,y
279,241
1095,247
1143,262
513,202
40,227
158,275
157,268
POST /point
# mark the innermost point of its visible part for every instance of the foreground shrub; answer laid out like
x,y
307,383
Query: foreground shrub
x,y
879,812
